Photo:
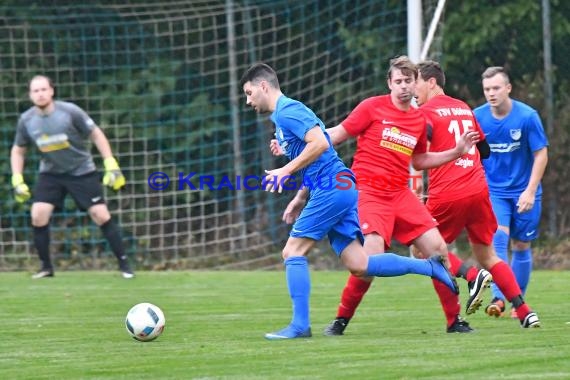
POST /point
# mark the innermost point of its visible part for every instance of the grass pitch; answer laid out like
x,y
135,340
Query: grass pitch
x,y
72,327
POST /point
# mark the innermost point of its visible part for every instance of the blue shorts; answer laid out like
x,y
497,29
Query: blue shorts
x,y
331,212
523,227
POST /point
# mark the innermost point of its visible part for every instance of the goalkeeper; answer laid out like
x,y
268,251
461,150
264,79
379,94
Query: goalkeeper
x,y
61,131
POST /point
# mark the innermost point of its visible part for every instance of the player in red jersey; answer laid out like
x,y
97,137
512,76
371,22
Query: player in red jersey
x,y
458,196
391,134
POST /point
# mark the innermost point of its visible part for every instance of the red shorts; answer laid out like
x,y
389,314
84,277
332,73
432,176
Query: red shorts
x,y
398,215
474,213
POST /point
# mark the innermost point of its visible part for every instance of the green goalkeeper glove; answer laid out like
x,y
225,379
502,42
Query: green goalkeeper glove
x,y
113,176
21,190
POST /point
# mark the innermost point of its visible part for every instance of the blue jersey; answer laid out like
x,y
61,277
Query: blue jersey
x,y
292,121
513,141
329,210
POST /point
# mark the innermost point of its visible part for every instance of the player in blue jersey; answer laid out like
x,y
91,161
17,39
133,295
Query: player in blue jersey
x,y
519,154
329,211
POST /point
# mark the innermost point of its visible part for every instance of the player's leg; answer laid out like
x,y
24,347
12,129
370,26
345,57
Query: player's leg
x,y
360,264
376,219
505,280
452,217
524,230
87,192
379,265
416,225
432,241
48,194
299,287
101,216
41,213
392,265
480,226
503,209
521,262
354,290
319,216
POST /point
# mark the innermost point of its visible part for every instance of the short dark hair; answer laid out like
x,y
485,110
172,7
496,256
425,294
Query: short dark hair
x,y
258,72
432,69
404,64
494,70
50,82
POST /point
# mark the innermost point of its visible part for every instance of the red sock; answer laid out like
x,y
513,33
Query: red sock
x,y
449,301
352,294
522,311
455,264
505,279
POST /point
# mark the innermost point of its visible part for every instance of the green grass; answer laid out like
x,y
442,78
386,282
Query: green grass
x,y
72,327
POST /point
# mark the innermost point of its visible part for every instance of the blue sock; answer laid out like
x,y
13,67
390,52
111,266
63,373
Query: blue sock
x,y
390,265
299,284
521,265
501,244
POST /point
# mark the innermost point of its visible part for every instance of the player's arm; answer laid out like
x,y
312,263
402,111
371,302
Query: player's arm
x,y
527,197
316,144
428,160
538,168
17,157
113,176
538,143
482,146
338,134
101,142
484,149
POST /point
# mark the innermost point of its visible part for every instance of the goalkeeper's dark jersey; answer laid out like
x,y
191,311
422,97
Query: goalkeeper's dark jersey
x,y
62,137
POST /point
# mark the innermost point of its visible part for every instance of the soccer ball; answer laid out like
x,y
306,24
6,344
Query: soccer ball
x,y
145,322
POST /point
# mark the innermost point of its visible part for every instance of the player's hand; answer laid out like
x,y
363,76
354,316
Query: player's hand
x,y
293,210
467,141
526,201
275,148
275,179
417,184
113,176
21,190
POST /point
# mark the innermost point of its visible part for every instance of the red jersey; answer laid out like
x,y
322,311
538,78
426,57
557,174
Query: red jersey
x,y
386,139
450,118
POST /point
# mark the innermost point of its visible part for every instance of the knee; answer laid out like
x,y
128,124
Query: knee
x,y
417,253
288,252
501,236
358,272
285,253
518,245
39,222
442,248
489,260
356,265
39,219
99,214
439,247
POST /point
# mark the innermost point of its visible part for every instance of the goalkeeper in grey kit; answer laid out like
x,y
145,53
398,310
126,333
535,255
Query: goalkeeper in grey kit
x,y
61,131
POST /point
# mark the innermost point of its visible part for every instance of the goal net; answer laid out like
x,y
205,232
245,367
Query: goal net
x,y
159,77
